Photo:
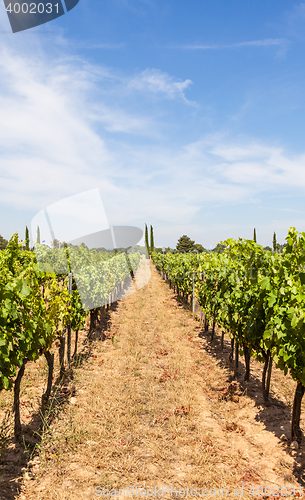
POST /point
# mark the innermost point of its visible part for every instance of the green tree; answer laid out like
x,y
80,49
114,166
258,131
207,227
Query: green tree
x,y
274,242
152,243
219,248
199,248
158,250
3,243
27,238
185,244
254,235
146,239
38,235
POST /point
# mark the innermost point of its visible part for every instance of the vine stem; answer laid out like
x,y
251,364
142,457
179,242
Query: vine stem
x,y
296,412
247,363
50,360
266,378
16,407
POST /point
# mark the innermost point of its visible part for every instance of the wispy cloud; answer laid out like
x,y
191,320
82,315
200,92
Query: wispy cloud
x,y
281,42
295,21
116,119
91,44
159,82
49,146
61,126
261,43
260,167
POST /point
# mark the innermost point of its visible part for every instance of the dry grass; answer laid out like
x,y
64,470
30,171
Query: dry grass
x,y
154,406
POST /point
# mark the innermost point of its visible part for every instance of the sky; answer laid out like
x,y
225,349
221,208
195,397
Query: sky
x,y
186,115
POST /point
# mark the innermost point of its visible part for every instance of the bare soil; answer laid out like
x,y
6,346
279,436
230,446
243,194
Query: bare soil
x,y
151,402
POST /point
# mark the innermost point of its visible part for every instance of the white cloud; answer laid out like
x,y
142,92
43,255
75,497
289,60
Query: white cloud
x,y
283,43
50,146
263,167
157,81
47,145
261,43
116,119
90,44
251,43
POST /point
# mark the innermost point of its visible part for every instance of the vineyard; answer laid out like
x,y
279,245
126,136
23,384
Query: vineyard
x,y
41,302
255,296
150,402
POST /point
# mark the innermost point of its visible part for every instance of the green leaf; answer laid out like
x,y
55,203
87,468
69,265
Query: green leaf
x,y
265,284
272,299
25,292
275,358
6,383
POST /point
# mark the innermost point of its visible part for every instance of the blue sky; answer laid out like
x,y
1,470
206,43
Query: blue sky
x,y
187,115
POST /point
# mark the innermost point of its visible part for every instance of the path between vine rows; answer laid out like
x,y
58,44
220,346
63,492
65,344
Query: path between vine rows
x,y
153,407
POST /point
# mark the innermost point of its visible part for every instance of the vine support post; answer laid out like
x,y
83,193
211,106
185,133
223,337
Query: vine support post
x,y
69,326
193,293
296,412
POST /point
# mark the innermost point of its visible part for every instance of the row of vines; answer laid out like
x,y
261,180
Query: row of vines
x,y
255,296
41,301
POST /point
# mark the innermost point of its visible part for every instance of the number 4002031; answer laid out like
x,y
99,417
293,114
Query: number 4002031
x,y
32,8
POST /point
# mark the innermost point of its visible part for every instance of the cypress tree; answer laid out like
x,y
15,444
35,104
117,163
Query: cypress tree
x,y
152,244
254,235
274,242
38,235
146,239
27,239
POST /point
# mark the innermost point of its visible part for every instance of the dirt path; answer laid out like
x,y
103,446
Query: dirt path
x,y
153,407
